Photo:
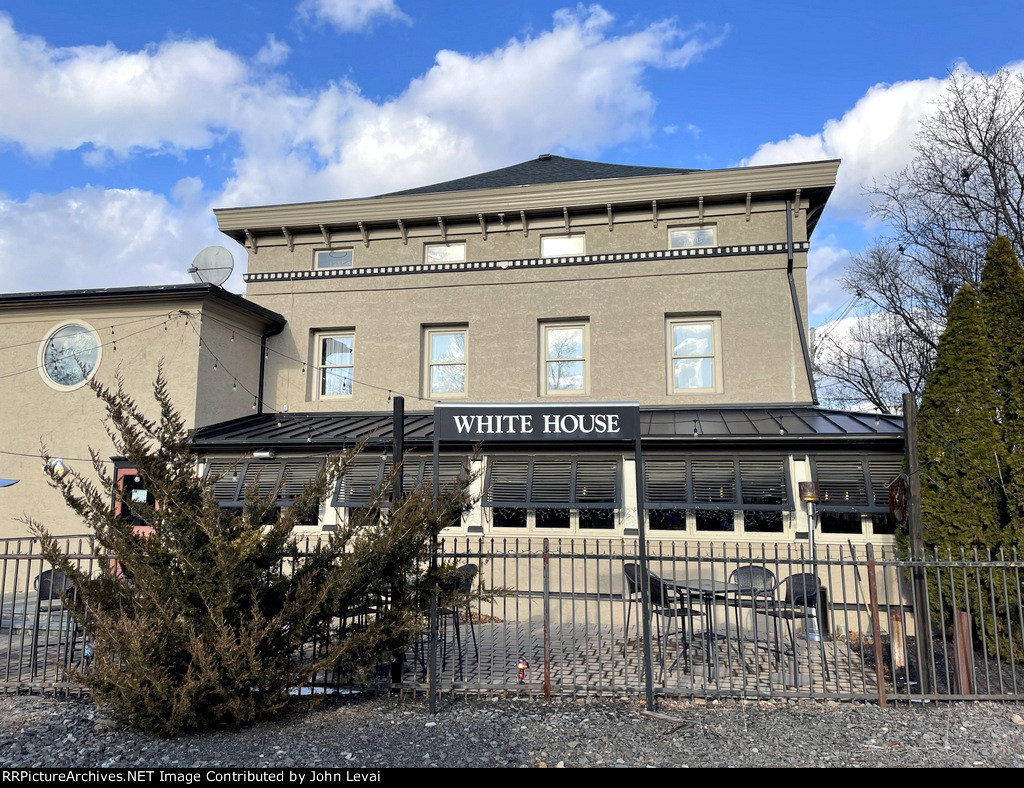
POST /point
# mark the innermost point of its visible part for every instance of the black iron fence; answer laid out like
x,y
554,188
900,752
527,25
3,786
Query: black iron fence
x,y
569,617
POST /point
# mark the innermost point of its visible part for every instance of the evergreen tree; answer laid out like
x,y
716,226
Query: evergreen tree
x,y
1002,301
962,502
209,619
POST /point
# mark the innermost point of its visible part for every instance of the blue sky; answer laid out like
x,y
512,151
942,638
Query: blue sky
x,y
123,124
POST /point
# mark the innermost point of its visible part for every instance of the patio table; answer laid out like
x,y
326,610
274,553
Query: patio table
x,y
710,592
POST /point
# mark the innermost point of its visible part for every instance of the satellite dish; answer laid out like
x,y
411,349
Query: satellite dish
x,y
213,265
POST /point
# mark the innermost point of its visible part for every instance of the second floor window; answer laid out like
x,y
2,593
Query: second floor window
x,y
564,349
336,360
693,355
446,362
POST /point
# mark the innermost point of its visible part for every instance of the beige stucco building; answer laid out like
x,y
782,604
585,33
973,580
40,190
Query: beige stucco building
x,y
551,282
54,342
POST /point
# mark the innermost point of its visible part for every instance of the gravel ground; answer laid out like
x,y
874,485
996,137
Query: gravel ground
x,y
504,732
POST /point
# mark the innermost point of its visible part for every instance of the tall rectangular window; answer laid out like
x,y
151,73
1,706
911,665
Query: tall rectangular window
x,y
564,354
691,237
445,373
335,363
694,357
562,245
334,258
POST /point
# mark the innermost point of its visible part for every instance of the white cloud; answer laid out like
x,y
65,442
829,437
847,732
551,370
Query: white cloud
x,y
874,139
574,87
273,53
177,94
825,264
91,237
351,15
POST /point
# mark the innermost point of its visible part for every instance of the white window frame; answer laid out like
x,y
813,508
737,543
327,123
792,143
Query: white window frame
x,y
544,239
318,252
44,345
428,365
683,227
321,368
717,377
573,528
458,246
543,359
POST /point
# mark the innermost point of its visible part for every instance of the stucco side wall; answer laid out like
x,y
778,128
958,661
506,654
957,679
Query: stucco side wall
x,y
228,365
68,423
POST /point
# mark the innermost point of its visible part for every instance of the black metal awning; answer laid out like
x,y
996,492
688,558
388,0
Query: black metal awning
x,y
781,426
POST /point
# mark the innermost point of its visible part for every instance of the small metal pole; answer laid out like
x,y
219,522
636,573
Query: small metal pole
x,y
964,667
432,642
922,613
547,621
397,494
645,575
876,635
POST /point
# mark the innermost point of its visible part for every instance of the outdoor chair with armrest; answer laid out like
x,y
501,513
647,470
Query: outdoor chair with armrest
x,y
459,583
54,589
797,599
666,603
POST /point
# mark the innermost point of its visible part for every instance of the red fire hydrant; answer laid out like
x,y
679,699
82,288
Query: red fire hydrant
x,y
523,665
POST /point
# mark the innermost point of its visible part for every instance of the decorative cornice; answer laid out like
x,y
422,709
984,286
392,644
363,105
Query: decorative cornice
x,y
529,262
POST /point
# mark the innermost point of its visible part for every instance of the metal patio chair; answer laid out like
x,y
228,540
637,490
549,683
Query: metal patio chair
x,y
666,603
798,598
460,584
757,586
53,590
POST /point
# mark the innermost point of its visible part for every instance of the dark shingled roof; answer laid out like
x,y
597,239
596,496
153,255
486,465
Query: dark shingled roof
x,y
795,426
544,169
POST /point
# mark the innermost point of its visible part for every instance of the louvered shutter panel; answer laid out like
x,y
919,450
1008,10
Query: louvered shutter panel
x,y
413,473
883,470
450,469
714,483
263,475
551,483
225,484
763,482
356,487
297,474
841,483
506,481
665,482
597,483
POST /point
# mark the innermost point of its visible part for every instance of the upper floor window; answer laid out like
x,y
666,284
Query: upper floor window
x,y
696,237
564,351
335,362
444,253
562,245
334,258
694,362
69,356
445,373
